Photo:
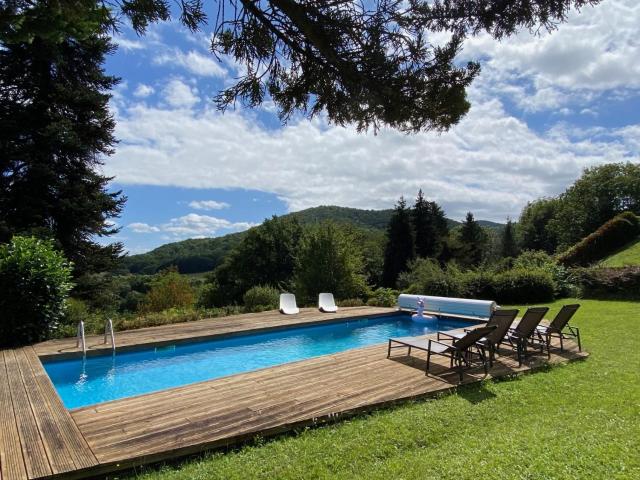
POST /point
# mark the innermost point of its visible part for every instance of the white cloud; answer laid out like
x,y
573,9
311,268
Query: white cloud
x,y
592,53
180,95
191,226
139,227
143,90
208,205
491,163
192,61
128,44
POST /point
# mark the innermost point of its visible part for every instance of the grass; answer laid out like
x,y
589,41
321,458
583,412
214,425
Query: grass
x,y
580,420
630,255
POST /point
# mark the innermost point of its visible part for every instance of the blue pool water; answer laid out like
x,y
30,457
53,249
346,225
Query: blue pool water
x,y
109,377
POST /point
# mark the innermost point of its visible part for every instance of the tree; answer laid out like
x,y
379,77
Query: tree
x,y
400,244
473,240
509,247
265,256
600,194
169,289
56,128
329,260
368,63
533,225
35,281
430,227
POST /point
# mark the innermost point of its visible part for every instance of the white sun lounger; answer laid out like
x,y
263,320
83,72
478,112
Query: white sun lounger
x,y
326,303
288,304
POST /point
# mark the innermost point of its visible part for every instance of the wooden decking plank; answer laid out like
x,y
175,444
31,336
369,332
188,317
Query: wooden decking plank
x,y
73,441
12,466
52,440
34,453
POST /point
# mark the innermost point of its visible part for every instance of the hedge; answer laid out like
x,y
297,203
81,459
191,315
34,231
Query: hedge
x,y
614,234
519,285
611,282
523,286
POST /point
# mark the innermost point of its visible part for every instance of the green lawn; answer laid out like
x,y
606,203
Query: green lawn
x,y
628,256
580,420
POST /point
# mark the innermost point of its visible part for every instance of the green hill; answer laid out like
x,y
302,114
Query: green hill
x,y
629,255
190,256
373,219
204,254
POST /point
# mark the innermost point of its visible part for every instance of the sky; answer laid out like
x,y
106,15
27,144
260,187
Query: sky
x,y
543,108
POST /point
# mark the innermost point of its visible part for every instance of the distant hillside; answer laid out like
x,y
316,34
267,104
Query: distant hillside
x,y
204,254
190,256
630,255
376,219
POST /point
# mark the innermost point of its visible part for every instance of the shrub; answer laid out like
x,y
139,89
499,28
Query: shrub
x,y
614,234
537,259
523,286
260,298
169,289
383,297
620,282
478,284
35,281
350,302
426,277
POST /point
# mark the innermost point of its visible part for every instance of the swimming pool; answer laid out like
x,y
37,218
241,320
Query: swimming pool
x,y
83,382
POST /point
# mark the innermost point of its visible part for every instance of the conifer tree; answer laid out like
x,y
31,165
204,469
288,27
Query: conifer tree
x,y
422,226
400,244
56,129
430,227
509,246
473,240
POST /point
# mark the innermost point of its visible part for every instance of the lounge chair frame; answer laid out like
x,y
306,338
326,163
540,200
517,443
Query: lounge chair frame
x,y
459,351
502,320
559,328
525,335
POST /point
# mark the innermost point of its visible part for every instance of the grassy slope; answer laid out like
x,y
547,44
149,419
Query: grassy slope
x,y
580,420
630,255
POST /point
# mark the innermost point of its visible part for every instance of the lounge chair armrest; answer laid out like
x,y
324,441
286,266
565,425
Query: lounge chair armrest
x,y
439,343
450,337
573,330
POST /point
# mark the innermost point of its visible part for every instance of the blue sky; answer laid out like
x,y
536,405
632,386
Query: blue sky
x,y
544,108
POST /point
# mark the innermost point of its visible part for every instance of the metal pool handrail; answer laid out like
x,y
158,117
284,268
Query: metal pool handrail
x,y
108,330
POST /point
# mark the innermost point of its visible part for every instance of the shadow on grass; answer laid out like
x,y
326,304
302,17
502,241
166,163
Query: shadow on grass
x,y
476,393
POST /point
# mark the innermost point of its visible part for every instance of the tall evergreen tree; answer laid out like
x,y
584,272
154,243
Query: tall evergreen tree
x,y
430,227
422,226
509,248
56,128
400,244
440,228
473,240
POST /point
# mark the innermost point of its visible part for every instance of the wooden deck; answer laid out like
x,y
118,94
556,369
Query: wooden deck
x,y
39,438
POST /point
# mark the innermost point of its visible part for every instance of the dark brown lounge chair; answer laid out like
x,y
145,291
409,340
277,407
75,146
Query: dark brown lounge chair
x,y
502,320
556,328
459,351
524,334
